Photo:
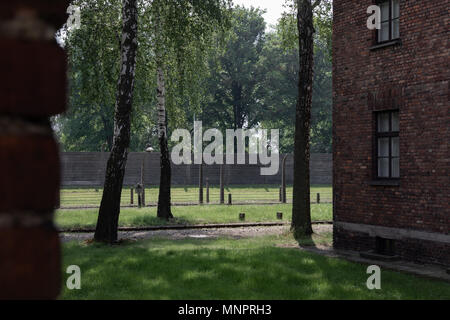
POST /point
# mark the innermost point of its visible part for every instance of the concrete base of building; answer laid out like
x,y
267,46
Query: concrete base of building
x,y
431,271
409,245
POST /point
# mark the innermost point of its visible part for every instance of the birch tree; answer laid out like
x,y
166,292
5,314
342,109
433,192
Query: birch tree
x,y
170,58
164,201
94,62
183,32
108,217
301,209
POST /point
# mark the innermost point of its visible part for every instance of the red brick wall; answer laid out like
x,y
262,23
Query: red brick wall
x,y
32,88
412,77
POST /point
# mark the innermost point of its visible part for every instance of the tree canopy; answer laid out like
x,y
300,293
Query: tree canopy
x,y
94,61
222,66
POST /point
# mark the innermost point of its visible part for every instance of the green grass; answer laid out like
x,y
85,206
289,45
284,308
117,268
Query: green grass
x,y
132,217
229,269
78,197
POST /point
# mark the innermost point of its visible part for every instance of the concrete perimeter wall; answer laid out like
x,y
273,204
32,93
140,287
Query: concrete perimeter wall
x,y
88,169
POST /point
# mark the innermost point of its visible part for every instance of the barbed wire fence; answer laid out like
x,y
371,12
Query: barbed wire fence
x,y
191,184
71,198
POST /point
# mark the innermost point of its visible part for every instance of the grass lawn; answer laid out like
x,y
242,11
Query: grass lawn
x,y
132,217
76,197
229,269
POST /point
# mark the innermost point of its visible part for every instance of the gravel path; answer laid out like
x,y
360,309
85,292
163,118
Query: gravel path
x,y
235,233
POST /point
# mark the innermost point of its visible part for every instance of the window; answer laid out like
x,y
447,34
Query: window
x,y
387,145
385,246
390,21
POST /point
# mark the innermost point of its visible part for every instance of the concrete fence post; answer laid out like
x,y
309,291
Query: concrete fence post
x,y
139,191
207,190
143,196
222,189
283,180
200,184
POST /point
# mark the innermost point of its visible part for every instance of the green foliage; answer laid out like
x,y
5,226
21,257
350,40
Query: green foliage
x,y
280,89
254,77
280,63
94,59
184,34
323,18
220,64
94,62
233,85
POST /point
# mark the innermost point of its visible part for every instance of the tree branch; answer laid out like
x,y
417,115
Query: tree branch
x,y
316,4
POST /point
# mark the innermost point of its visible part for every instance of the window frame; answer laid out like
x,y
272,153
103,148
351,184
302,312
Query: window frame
x,y
382,135
390,20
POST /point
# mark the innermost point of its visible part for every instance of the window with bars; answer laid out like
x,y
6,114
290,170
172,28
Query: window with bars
x,y
387,145
390,21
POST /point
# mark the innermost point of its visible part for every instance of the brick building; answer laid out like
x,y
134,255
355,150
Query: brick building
x,y
391,131
32,89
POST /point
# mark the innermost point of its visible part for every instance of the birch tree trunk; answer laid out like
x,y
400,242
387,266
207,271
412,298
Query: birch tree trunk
x,y
164,209
301,210
108,217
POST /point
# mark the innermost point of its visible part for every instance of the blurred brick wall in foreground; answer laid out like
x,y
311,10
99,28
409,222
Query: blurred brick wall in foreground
x,y
32,88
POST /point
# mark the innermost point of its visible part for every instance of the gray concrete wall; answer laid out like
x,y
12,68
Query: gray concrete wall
x,y
88,169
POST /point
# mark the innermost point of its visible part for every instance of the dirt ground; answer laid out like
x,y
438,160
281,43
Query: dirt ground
x,y
236,233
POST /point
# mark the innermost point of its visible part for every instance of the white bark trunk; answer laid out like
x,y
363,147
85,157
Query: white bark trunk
x,y
161,97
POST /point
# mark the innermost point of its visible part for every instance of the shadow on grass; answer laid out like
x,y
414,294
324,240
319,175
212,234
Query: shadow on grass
x,y
315,240
226,269
306,241
148,220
